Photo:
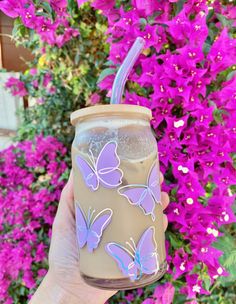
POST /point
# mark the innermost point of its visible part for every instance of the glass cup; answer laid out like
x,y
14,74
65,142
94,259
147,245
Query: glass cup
x,y
119,218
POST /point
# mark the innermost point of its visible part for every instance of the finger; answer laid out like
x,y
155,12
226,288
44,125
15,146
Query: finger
x,y
165,221
161,178
165,200
68,190
67,195
65,216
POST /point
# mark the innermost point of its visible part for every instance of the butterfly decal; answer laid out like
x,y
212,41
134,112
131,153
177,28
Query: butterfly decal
x,y
104,171
90,231
145,196
140,260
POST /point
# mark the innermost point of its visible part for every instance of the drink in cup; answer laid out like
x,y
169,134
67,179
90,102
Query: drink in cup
x,y
119,218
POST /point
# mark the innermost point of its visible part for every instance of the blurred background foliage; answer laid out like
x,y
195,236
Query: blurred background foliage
x,y
74,69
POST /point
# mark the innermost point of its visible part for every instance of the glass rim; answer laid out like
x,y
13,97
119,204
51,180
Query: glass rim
x,y
114,109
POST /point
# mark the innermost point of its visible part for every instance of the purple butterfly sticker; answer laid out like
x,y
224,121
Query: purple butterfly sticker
x,y
145,196
105,170
90,231
142,259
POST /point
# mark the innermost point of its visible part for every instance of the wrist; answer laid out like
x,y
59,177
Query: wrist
x,y
50,292
54,291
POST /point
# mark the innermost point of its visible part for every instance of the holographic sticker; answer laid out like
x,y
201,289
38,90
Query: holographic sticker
x,y
90,231
145,196
140,260
104,171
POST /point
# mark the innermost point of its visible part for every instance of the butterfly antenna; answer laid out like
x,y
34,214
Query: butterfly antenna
x,y
89,212
91,157
92,213
130,246
140,274
133,242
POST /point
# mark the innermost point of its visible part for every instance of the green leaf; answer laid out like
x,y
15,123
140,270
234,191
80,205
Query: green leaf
x,y
224,21
230,75
227,244
152,19
85,29
206,282
210,14
179,6
206,48
65,175
143,23
77,58
18,29
179,299
47,7
105,73
230,261
175,241
109,63
44,14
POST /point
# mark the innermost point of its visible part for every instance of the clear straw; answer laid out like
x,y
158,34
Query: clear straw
x,y
124,70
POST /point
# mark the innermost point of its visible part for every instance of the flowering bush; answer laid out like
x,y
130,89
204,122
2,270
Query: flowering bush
x,y
186,76
49,19
17,87
31,179
57,73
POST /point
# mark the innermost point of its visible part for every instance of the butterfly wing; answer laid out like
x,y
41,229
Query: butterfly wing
x,y
107,166
99,224
146,254
88,173
124,259
154,182
139,195
81,226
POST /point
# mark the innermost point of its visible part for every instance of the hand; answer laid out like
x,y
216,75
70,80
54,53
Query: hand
x,y
63,283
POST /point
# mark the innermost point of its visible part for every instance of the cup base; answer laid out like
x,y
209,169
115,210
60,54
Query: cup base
x,y
124,283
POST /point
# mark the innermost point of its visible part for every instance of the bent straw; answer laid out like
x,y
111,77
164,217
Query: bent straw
x,y
124,70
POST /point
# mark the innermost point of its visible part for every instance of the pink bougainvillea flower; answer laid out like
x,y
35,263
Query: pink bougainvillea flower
x,y
42,273
218,53
193,287
199,30
164,294
27,14
179,26
104,5
16,86
149,33
107,83
133,98
192,54
10,7
95,98
33,71
128,21
196,6
80,2
35,83
60,3
47,79
149,301
148,7
180,89
182,263
130,297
